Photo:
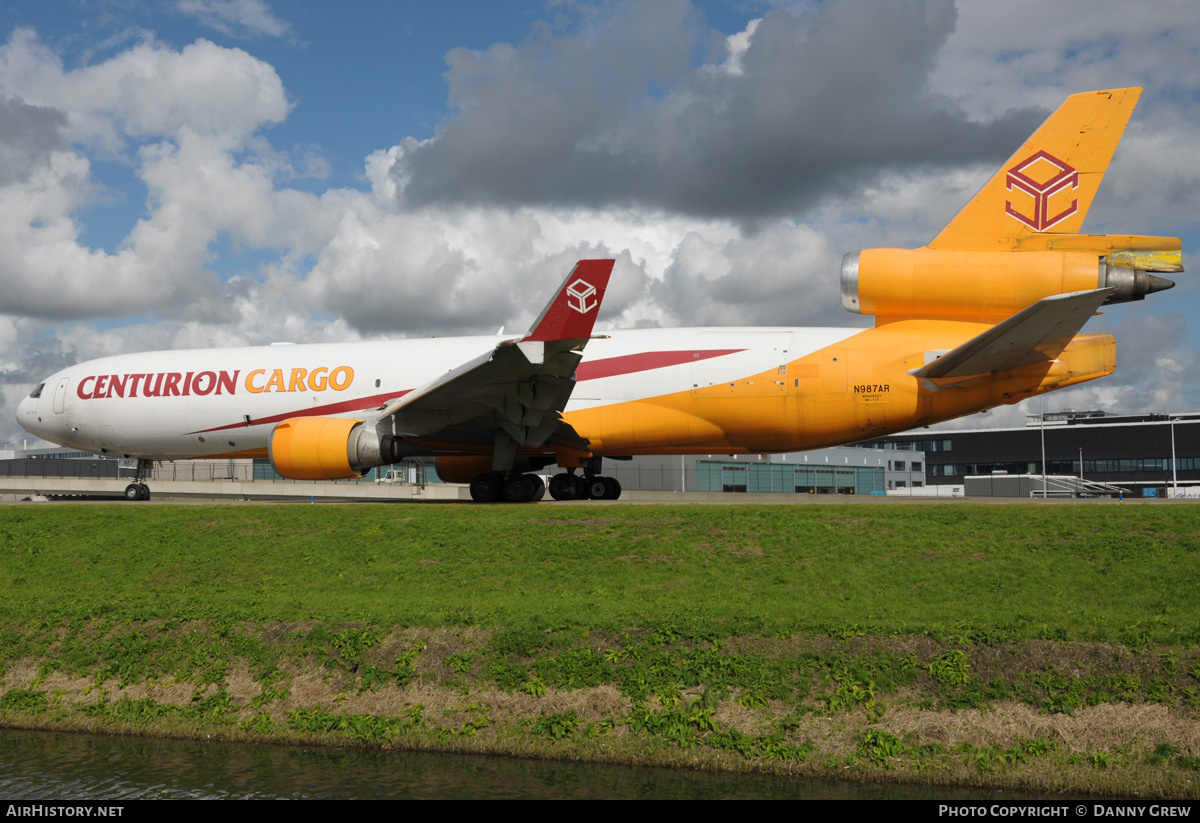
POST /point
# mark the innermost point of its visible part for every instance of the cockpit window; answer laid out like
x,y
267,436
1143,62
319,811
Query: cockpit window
x,y
38,391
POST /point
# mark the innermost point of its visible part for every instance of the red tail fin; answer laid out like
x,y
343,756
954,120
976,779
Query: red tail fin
x,y
572,313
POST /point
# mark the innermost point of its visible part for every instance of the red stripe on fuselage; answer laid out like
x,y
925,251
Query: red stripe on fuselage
x,y
588,370
644,361
375,401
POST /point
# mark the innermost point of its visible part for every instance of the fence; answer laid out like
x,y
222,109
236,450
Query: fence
x,y
200,471
58,468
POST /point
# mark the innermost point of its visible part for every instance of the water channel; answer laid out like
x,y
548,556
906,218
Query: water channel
x,y
58,766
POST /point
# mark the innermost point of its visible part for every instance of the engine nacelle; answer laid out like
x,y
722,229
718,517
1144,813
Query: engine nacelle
x,y
331,448
979,284
463,469
313,448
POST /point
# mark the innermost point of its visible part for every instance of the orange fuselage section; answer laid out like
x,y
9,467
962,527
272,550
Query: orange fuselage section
x,y
855,390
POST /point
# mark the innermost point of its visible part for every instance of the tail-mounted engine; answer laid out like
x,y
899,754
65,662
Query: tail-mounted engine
x,y
979,284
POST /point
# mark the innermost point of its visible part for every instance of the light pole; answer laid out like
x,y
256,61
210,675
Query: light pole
x,y
1043,419
1043,449
1174,463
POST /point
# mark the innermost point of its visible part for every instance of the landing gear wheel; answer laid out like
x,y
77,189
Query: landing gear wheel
x,y
614,488
518,489
487,488
133,491
597,488
539,487
566,487
602,488
145,491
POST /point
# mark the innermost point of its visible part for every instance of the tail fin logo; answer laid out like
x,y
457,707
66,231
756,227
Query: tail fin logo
x,y
581,296
1056,177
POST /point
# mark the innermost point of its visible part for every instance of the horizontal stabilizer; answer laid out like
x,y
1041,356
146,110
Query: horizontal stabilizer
x,y
1035,335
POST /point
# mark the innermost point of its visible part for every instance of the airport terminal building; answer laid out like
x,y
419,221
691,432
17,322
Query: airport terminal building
x,y
1148,455
841,470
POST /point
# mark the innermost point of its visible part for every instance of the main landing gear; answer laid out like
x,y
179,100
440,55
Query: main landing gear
x,y
529,488
137,490
567,486
516,488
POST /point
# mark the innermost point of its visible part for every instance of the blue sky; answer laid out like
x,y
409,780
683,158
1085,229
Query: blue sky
x,y
231,172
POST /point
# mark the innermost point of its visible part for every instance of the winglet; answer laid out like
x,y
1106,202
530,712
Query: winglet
x,y
572,313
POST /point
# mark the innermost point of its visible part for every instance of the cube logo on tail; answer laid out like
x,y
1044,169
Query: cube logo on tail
x,y
1041,176
581,296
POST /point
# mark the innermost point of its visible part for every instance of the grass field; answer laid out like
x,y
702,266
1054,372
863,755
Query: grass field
x,y
934,642
1109,573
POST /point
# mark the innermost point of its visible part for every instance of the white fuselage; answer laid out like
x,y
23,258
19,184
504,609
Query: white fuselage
x,y
207,402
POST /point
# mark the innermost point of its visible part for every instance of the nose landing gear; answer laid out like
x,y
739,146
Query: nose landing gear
x,y
137,490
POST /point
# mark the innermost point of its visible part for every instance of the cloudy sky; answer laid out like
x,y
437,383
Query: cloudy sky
x,y
234,172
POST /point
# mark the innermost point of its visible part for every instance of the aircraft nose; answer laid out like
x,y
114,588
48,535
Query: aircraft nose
x,y
23,411
27,417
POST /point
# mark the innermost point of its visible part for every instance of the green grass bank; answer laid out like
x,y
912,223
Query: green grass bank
x,y
1047,647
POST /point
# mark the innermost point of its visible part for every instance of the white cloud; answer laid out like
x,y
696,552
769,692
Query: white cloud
x,y
148,91
251,17
203,105
735,48
1027,52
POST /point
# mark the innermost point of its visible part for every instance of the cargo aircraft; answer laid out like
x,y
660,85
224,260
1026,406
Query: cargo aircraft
x,y
989,312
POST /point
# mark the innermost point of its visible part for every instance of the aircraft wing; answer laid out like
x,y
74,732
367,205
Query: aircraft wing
x,y
522,385
1034,335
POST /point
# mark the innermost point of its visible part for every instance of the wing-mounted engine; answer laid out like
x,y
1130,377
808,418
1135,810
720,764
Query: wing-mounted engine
x,y
330,448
